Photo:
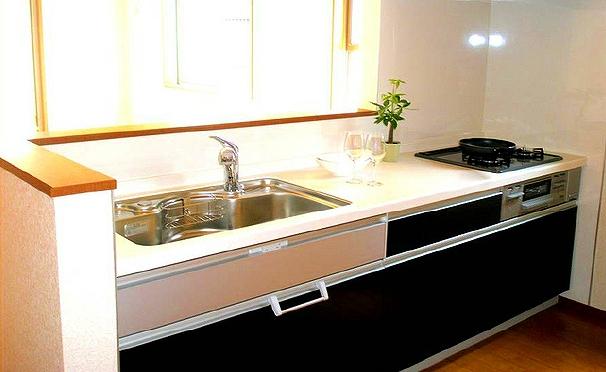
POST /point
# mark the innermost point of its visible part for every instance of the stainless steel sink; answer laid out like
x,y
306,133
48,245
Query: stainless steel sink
x,y
164,218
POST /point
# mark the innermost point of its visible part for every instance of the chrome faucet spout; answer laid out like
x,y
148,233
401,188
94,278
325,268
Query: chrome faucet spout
x,y
228,157
226,143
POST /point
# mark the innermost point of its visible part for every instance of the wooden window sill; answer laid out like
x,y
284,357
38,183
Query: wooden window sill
x,y
59,137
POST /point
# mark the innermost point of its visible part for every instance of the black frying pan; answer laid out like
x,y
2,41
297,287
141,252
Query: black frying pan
x,y
487,147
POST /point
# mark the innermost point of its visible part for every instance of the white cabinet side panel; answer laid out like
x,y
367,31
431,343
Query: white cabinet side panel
x,y
85,248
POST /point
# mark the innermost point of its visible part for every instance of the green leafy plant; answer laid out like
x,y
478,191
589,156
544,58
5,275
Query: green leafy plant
x,y
392,110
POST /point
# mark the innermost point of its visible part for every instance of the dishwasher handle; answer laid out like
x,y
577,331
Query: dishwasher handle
x,y
275,304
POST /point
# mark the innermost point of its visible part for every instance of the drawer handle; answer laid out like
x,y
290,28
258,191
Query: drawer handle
x,y
275,304
515,195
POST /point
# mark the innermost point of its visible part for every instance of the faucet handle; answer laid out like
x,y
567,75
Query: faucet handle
x,y
228,156
225,143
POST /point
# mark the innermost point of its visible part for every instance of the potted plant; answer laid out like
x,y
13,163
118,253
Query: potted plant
x,y
389,113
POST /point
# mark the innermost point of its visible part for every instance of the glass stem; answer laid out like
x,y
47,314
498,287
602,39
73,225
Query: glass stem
x,y
354,174
374,170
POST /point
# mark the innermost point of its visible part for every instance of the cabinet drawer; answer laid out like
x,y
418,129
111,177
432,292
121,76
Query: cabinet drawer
x,y
302,340
153,299
431,226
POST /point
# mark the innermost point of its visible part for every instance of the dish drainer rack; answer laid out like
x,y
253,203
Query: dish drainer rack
x,y
185,212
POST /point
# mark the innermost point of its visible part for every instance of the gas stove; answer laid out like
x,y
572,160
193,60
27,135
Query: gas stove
x,y
521,158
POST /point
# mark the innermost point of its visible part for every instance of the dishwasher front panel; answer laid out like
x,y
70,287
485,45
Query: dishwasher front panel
x,y
161,299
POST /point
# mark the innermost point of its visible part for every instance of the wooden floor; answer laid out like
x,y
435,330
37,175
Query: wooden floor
x,y
566,337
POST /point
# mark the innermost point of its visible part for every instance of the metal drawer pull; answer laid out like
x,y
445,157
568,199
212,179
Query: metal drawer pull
x,y
275,304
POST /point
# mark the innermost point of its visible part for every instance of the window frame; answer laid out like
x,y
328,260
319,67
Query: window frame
x,y
39,68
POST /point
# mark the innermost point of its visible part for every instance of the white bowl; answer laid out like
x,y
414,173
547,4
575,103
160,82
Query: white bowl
x,y
339,164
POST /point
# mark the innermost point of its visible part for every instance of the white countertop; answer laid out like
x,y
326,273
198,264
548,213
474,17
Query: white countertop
x,y
409,183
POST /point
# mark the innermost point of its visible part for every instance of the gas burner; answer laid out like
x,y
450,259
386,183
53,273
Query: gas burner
x,y
523,153
487,161
488,155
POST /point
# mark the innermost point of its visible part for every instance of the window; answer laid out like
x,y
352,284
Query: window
x,y
197,61
213,44
272,56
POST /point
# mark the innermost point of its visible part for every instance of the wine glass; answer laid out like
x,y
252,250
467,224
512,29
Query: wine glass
x,y
375,146
354,148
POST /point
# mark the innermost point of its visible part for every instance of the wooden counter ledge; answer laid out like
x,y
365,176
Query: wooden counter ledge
x,y
94,134
50,173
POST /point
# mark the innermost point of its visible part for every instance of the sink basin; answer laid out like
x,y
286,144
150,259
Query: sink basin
x,y
164,218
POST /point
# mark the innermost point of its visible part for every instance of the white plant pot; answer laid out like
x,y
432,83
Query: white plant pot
x,y
392,152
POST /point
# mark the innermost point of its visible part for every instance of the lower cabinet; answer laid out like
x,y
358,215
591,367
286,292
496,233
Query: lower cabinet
x,y
343,333
446,297
390,319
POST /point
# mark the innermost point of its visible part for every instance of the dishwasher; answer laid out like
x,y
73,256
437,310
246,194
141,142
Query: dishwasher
x,y
171,299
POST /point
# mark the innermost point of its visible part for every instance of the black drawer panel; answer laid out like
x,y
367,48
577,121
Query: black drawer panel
x,y
429,227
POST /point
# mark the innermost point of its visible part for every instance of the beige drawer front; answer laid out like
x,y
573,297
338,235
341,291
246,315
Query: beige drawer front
x,y
155,299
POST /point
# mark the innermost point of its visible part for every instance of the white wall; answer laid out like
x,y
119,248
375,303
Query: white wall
x,y
598,287
87,281
17,110
547,87
424,42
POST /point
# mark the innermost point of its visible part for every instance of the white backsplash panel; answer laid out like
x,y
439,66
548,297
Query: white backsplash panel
x,y
150,163
425,43
547,87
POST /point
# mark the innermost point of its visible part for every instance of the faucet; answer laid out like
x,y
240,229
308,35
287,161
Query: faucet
x,y
228,157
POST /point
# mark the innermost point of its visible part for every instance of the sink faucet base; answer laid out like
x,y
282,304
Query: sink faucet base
x,y
228,157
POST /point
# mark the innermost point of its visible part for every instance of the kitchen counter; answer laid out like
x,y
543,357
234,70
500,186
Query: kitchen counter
x,y
407,184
